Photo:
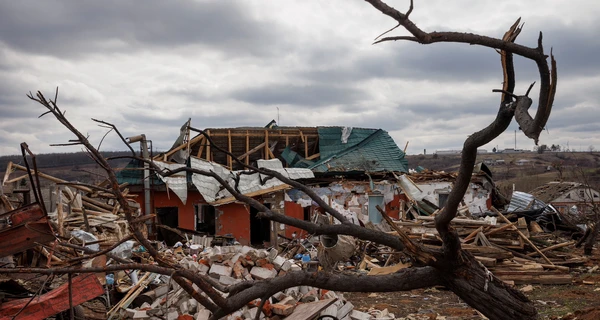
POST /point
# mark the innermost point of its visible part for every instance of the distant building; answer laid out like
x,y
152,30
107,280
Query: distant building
x,y
448,152
566,195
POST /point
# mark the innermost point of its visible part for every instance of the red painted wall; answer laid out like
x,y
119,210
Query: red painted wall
x,y
234,219
185,212
293,210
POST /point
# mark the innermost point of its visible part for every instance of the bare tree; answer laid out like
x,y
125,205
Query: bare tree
x,y
449,266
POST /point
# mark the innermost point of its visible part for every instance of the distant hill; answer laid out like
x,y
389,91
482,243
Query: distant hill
x,y
526,170
76,166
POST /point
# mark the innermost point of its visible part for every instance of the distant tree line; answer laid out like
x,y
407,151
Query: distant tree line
x,y
51,160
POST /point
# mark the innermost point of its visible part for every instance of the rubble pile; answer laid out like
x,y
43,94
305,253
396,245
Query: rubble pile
x,y
229,265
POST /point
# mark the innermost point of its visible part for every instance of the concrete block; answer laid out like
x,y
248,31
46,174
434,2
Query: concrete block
x,y
141,315
289,300
154,312
329,295
226,281
202,268
295,267
203,315
262,273
278,262
287,265
246,249
280,296
235,257
184,307
345,310
330,311
172,314
217,270
129,313
357,315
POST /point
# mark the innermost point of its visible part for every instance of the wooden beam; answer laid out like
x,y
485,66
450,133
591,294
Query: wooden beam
x,y
523,236
252,194
314,156
261,134
181,146
199,155
7,172
267,145
306,148
247,160
48,177
229,159
208,146
247,154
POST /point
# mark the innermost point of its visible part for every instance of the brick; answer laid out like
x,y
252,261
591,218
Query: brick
x,y
262,262
357,315
283,309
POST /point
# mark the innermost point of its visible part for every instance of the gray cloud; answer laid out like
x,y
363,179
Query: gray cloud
x,y
86,27
310,96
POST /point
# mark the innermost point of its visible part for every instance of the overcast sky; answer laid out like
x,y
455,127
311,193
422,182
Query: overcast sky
x,y
148,66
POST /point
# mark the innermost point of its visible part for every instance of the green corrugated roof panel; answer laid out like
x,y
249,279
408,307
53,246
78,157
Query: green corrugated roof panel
x,y
375,153
133,174
330,139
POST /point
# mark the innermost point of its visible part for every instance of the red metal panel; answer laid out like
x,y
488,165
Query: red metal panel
x,y
293,210
31,212
234,219
393,207
29,227
84,287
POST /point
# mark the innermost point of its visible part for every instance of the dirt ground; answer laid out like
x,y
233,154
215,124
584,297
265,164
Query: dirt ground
x,y
576,301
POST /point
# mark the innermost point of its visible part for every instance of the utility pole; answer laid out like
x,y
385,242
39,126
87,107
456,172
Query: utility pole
x,y
515,139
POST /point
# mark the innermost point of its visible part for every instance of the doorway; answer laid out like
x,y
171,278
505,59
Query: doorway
x,y
260,229
205,219
169,217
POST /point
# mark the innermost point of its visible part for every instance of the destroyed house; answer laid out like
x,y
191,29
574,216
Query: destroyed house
x,y
198,203
565,196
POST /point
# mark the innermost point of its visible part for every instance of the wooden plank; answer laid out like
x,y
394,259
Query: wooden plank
x,y
229,159
314,156
247,154
556,246
251,194
523,236
208,146
267,145
49,177
199,154
388,270
9,171
459,221
306,148
247,160
309,310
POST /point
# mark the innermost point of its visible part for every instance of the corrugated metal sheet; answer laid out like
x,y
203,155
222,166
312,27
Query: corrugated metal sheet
x,y
177,182
330,139
211,190
376,153
521,201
